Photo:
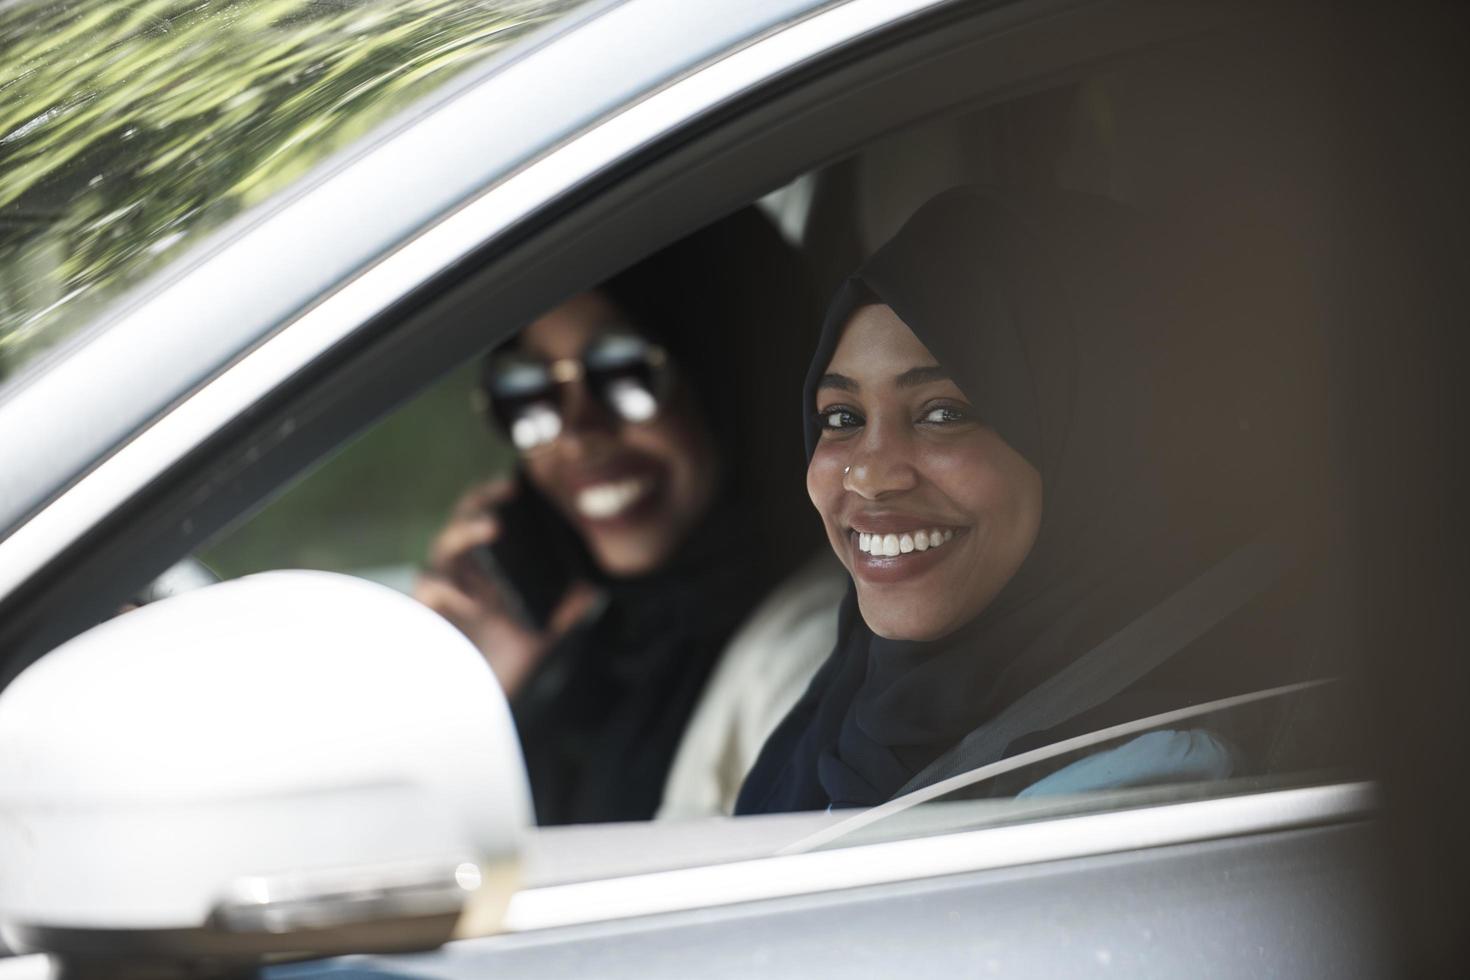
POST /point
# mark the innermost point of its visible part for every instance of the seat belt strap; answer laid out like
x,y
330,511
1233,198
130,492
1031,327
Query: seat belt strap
x,y
1119,661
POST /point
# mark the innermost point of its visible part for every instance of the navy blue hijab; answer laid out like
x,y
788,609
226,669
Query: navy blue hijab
x,y
1050,314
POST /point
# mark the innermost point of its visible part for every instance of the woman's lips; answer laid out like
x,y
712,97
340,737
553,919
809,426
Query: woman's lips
x,y
618,493
612,499
885,558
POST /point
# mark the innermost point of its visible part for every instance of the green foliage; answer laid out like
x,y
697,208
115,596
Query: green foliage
x,y
379,501
127,129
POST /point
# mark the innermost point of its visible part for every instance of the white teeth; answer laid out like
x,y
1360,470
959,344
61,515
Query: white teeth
x,y
604,500
889,545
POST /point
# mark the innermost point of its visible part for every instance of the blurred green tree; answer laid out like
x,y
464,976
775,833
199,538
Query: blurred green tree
x,y
127,130
373,507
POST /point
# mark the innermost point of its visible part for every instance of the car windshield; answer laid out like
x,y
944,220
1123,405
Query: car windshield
x,y
129,130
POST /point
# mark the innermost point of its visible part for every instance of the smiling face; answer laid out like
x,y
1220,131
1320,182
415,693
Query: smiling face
x,y
930,510
633,490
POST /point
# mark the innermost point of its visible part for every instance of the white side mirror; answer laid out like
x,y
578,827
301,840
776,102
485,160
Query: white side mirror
x,y
290,763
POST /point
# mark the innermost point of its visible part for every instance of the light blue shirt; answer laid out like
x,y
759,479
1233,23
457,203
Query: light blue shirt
x,y
1152,758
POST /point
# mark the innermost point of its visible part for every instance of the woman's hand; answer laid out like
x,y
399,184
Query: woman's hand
x,y
455,586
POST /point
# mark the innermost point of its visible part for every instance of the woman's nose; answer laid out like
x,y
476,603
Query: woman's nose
x,y
583,420
878,467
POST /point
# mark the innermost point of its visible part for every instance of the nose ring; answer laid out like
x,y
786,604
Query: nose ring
x,y
846,470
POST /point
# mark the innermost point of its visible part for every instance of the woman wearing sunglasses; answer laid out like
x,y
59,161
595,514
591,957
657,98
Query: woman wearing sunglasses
x,y
657,500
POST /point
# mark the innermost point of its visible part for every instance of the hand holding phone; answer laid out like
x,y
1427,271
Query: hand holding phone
x,y
507,576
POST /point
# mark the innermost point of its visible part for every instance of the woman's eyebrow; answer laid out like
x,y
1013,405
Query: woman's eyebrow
x,y
839,381
914,377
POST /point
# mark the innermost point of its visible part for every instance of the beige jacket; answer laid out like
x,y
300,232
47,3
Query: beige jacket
x,y
763,671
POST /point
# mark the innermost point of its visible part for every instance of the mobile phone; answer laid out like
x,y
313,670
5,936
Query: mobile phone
x,y
534,559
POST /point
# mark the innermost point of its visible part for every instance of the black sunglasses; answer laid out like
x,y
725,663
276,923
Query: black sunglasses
x,y
521,394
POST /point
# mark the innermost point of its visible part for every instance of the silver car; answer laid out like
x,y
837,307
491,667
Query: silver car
x,y
211,290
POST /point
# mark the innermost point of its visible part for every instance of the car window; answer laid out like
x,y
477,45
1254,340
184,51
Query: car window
x,y
1202,161
373,507
131,130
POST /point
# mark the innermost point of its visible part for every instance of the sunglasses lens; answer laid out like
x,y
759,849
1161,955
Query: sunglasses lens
x,y
631,400
532,426
624,372
524,400
514,377
627,373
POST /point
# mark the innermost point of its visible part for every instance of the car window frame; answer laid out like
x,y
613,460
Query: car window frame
x,y
786,875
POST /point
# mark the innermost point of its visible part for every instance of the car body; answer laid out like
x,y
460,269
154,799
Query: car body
x,y
608,133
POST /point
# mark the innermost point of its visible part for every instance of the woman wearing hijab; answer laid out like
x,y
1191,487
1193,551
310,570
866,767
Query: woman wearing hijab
x,y
670,478
993,462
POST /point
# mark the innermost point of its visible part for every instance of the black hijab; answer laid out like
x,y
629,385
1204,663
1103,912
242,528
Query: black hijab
x,y
1052,314
601,716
